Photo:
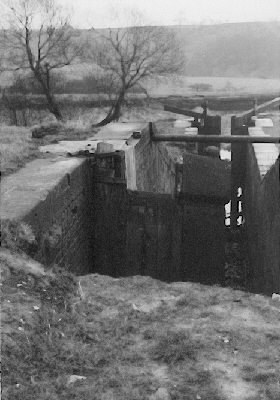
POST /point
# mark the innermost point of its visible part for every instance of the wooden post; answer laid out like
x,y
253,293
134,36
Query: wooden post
x,y
211,126
238,170
255,105
204,106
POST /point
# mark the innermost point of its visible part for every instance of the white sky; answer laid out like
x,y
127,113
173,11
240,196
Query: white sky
x,y
99,14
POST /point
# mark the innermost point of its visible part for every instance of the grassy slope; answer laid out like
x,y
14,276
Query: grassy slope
x,y
127,337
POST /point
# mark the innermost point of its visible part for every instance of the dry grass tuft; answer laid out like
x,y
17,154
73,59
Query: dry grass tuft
x,y
16,148
174,346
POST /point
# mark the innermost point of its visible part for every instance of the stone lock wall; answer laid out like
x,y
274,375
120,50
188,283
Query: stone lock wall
x,y
54,196
86,218
63,222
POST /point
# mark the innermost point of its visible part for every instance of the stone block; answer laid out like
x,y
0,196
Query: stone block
x,y
104,148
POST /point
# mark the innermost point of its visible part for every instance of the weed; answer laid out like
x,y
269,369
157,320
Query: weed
x,y
35,355
149,334
173,347
188,300
273,392
17,235
273,336
264,376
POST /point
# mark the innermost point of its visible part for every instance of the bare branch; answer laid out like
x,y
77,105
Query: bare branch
x,y
51,46
133,54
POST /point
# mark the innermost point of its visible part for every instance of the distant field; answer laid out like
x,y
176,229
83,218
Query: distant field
x,y
183,86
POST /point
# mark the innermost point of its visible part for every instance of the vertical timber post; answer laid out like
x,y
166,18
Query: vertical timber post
x,y
211,126
255,105
238,169
204,106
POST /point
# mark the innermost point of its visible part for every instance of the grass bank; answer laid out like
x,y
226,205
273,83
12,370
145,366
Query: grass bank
x,y
66,337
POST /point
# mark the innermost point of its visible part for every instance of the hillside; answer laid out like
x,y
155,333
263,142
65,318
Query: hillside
x,y
221,50
233,50
230,50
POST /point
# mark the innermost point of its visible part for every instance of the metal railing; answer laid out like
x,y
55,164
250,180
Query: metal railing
x,y
215,138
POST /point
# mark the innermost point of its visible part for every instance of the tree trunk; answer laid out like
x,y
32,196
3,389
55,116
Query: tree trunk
x,y
11,106
52,105
115,112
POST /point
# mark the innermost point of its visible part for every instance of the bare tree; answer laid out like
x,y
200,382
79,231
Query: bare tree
x,y
129,56
40,39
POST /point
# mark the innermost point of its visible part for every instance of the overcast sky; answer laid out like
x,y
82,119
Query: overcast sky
x,y
100,13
